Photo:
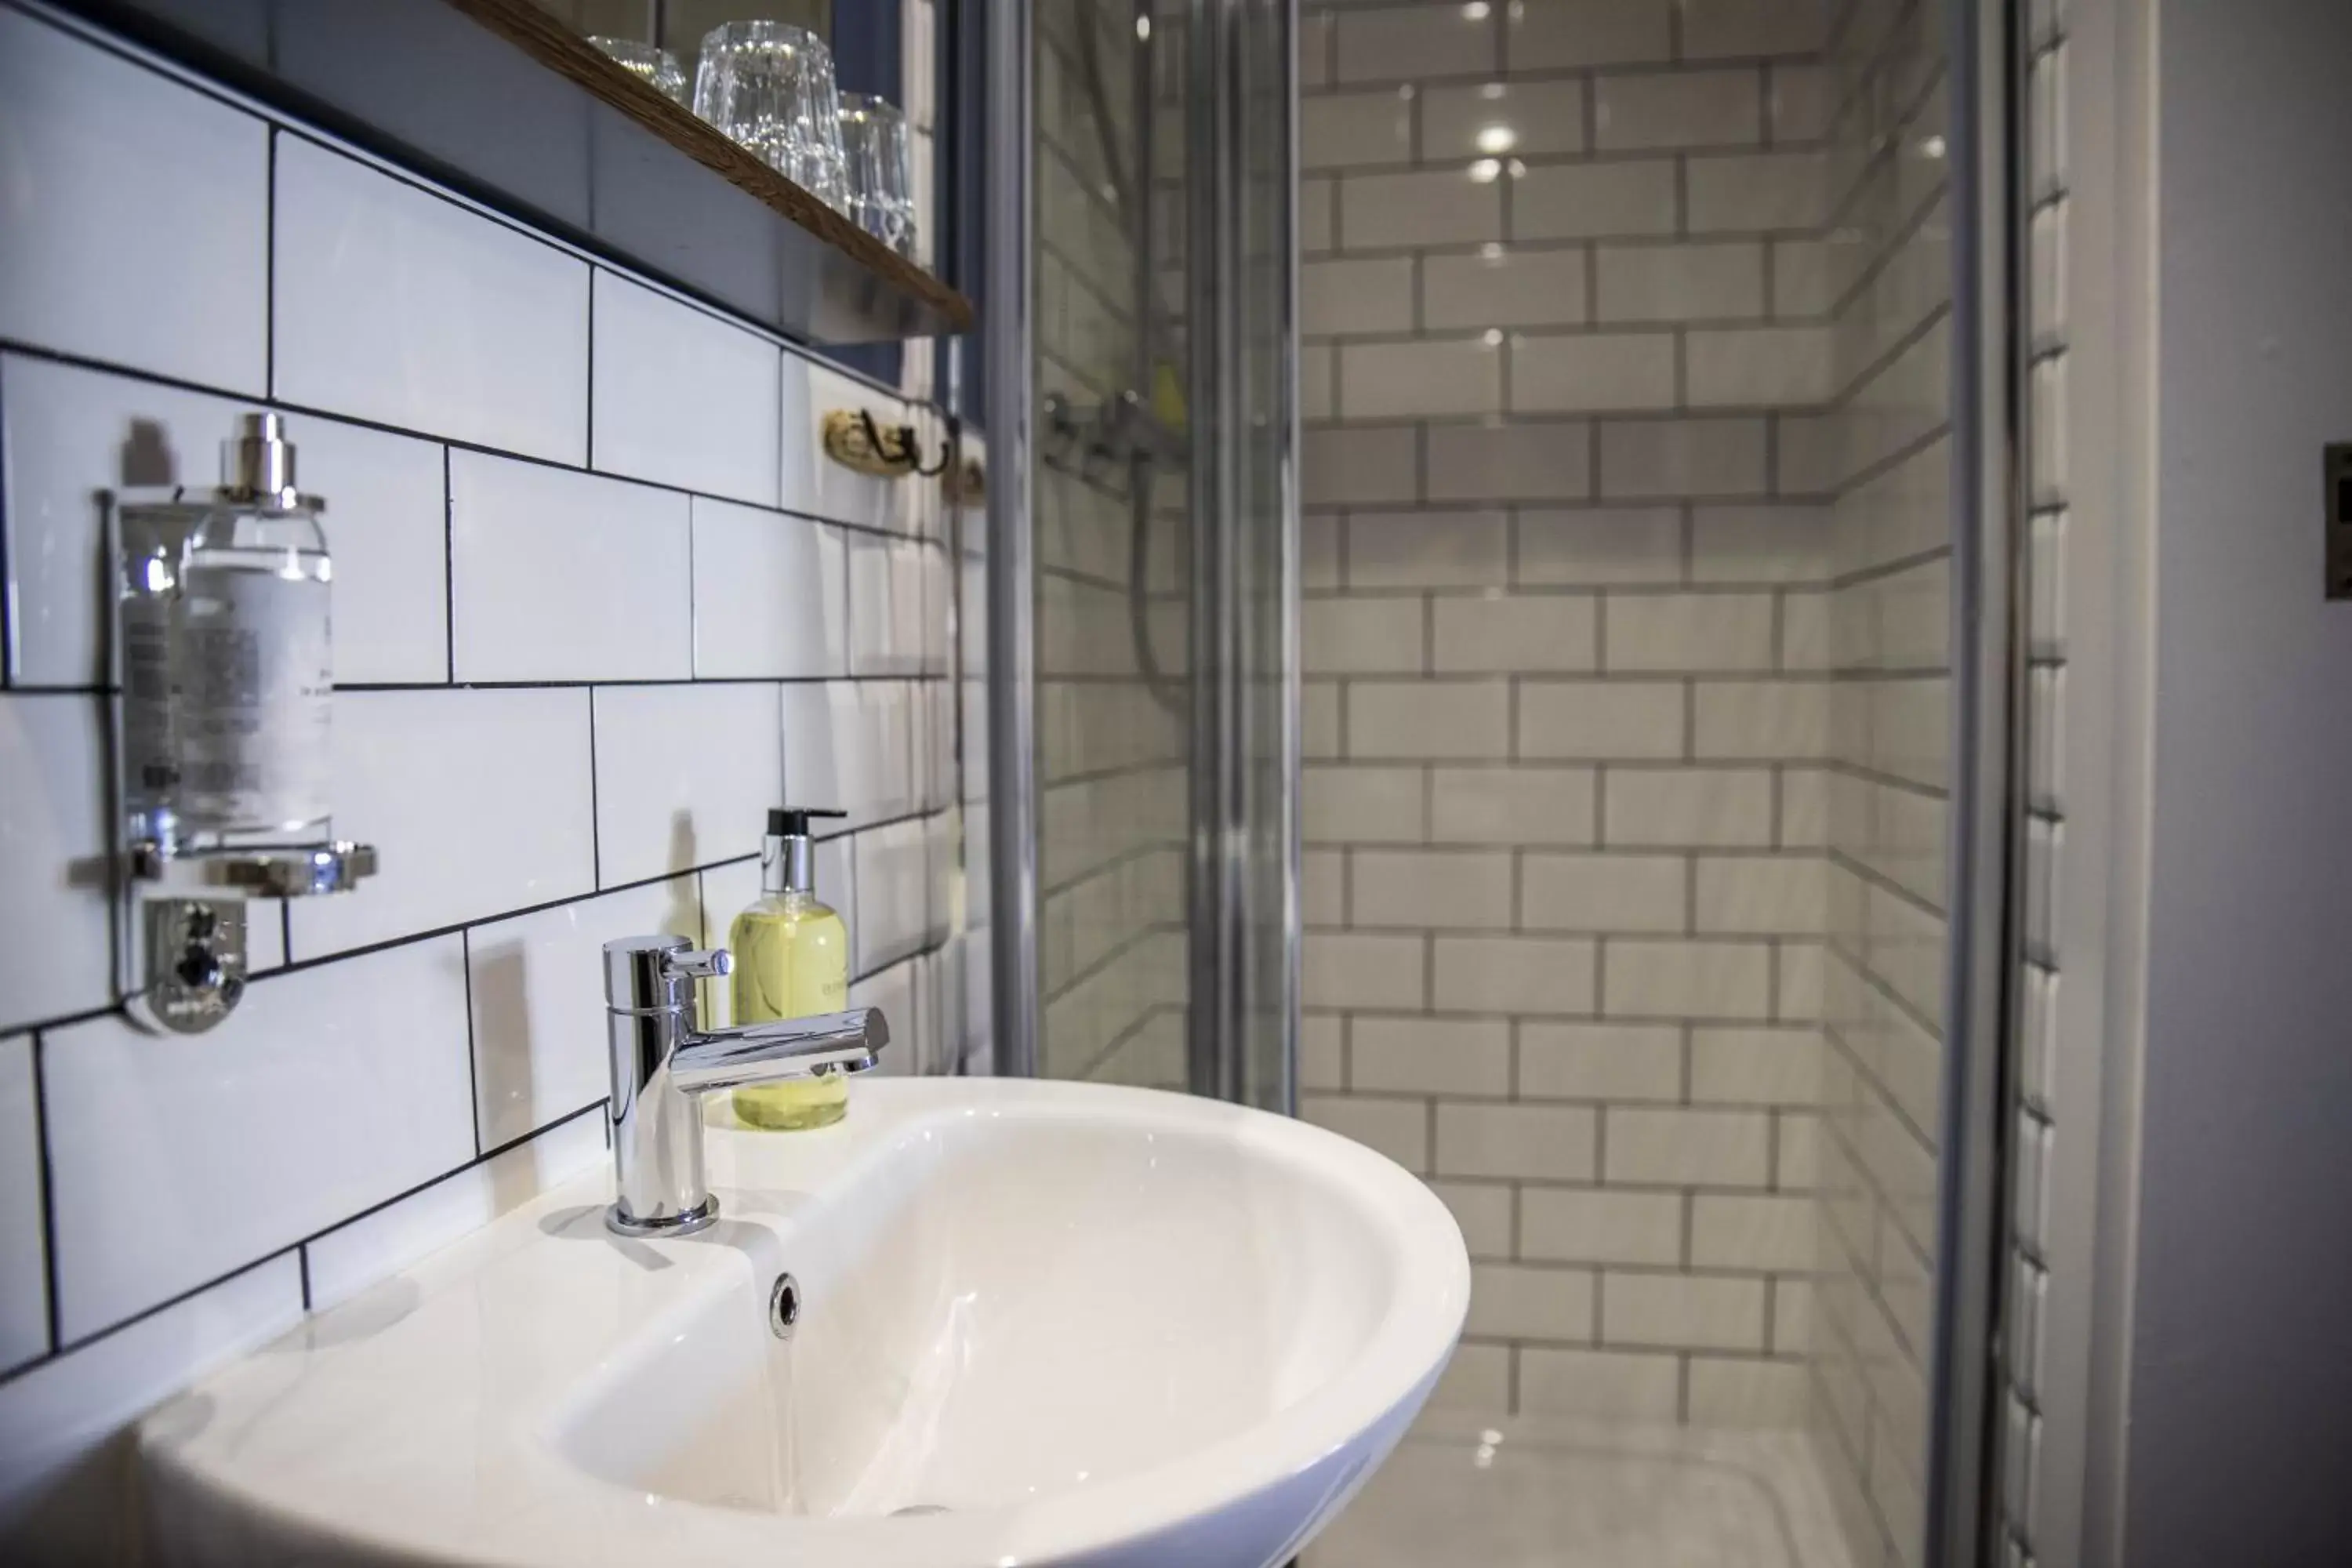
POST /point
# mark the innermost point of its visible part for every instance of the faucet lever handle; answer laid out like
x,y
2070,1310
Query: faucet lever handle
x,y
698,964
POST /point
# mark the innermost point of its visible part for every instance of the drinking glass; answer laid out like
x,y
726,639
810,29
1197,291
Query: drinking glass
x,y
657,68
768,86
881,183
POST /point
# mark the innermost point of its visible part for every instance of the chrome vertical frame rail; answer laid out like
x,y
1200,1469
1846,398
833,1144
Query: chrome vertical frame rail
x,y
1986,842
1292,498
1009,350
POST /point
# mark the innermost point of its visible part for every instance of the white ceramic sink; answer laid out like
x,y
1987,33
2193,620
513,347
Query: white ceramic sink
x,y
1037,1323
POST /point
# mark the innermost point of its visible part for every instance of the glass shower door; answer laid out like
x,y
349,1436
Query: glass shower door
x,y
1161,542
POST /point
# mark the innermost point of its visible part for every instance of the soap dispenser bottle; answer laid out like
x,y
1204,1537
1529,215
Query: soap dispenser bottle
x,y
792,960
227,674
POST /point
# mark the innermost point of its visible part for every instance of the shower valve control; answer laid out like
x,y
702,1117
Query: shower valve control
x,y
2339,520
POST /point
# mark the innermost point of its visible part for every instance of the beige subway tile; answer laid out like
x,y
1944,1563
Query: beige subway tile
x,y
1508,1301
1408,43
1484,1213
1322,1056
1435,377
1813,452
1476,1381
1590,33
1549,459
1431,888
1801,281
1514,974
1430,1055
1726,1393
1714,29
1585,200
1776,720
1429,718
1498,119
1428,549
1427,208
1397,1127
1359,637
1601,719
1517,288
1756,192
1660,632
1317,381
1752,895
1355,294
1322,882
1713,281
1319,551
1804,808
1358,464
1601,1061
1797,1168
1544,1143
1678,109
1593,373
1801,100
1699,807
1598,1382
1356,969
1581,1226
1787,543
1345,805
1548,633
1341,130
1318,719
1698,1148
1801,983
1792,1316
1743,367
1757,1231
1681,1311
1600,546
1604,892
1318,214
1805,632
1315,32
1522,804
1655,978
1642,459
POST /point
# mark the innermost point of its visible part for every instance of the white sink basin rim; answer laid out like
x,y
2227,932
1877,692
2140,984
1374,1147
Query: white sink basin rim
x,y
1036,1322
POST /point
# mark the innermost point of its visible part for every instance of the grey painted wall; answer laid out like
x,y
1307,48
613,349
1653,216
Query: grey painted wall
x,y
2241,1450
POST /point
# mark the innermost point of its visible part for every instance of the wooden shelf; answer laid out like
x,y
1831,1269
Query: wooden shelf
x,y
499,100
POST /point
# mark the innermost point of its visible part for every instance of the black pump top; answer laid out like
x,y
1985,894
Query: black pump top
x,y
792,821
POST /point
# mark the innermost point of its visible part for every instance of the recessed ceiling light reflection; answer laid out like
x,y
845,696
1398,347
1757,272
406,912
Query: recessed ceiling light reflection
x,y
1486,171
1496,139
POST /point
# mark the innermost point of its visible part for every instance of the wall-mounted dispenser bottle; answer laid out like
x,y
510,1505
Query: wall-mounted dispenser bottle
x,y
227,685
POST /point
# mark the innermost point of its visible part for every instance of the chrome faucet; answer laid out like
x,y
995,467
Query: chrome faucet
x,y
663,1064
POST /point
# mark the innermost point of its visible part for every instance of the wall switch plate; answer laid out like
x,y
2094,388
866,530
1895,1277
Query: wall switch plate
x,y
2339,520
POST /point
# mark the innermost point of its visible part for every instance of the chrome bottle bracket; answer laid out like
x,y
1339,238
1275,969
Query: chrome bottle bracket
x,y
187,919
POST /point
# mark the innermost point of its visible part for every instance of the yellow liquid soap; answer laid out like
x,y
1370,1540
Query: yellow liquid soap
x,y
792,960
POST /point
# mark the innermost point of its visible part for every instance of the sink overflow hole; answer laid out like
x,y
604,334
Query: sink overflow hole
x,y
914,1508
783,1306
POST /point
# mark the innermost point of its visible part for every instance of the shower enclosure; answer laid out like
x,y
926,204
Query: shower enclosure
x,y
1146,919
1547,715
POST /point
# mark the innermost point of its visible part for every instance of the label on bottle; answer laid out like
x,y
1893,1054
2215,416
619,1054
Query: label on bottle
x,y
149,768
256,694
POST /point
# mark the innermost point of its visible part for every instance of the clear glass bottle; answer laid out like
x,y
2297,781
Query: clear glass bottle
x,y
228,674
792,960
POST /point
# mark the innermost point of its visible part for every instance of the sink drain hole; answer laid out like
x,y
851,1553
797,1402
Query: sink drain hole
x,y
783,1306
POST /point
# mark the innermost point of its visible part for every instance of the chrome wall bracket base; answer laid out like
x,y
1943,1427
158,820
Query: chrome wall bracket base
x,y
184,916
195,964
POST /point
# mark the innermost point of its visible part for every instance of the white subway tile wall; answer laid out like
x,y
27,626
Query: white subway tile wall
x,y
1569,670
595,614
